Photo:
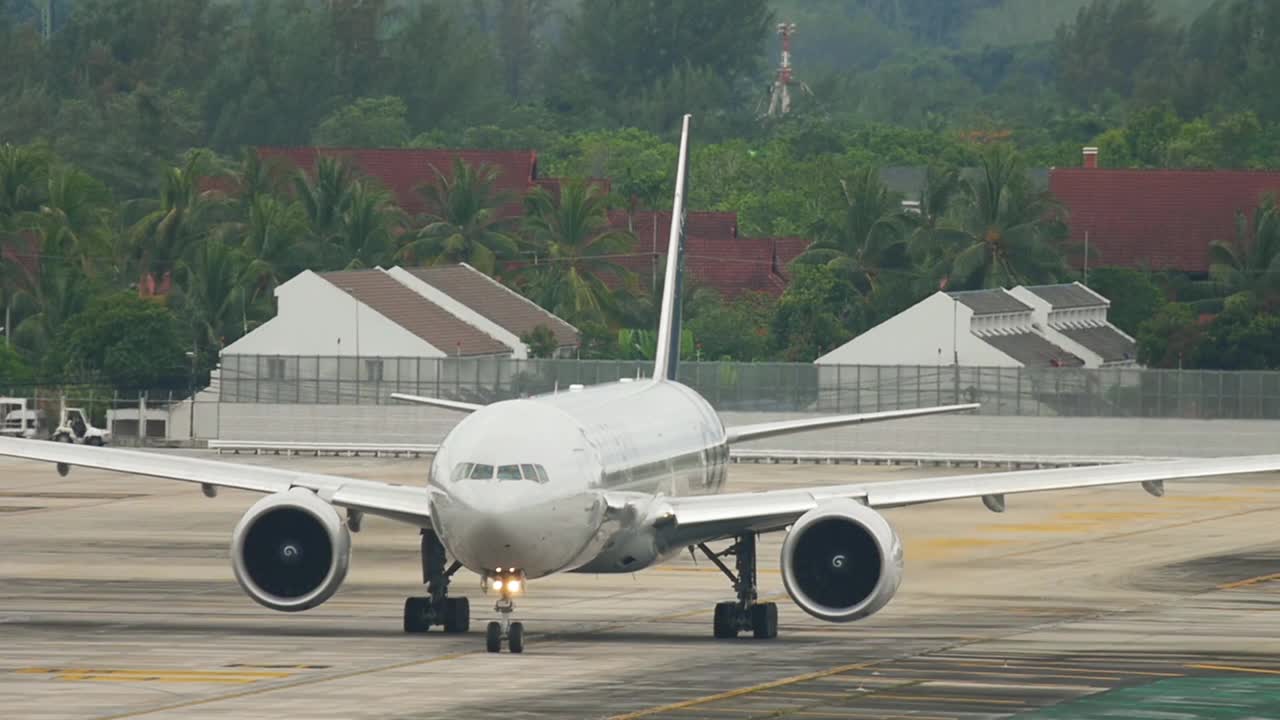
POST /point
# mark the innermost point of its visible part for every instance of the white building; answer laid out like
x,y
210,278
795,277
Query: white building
x,y
448,311
1075,317
989,328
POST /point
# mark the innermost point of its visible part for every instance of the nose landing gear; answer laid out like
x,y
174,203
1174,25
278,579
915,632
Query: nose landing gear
x,y
508,585
747,613
420,613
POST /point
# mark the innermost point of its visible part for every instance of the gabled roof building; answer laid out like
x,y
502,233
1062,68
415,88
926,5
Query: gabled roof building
x,y
450,311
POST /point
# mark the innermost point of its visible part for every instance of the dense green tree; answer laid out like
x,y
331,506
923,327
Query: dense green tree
x,y
867,236
1114,46
541,341
1242,337
576,253
14,371
811,314
1169,339
123,341
464,221
1250,262
368,122
1135,297
1006,232
737,330
183,217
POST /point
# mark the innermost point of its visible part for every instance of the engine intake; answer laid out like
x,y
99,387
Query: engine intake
x,y
842,561
290,551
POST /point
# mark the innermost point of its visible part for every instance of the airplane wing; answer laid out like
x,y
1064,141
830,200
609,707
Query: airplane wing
x,y
786,427
437,402
708,517
399,502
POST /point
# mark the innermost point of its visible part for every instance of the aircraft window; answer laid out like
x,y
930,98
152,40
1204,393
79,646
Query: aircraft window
x,y
542,474
529,473
461,470
508,472
481,472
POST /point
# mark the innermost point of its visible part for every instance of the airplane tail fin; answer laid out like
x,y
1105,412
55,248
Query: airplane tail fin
x,y
667,357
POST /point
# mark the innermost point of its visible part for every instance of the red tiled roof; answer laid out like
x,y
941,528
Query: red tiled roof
x,y
402,171
714,254
1163,219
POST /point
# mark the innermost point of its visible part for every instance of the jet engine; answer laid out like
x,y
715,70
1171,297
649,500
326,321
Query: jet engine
x,y
290,551
842,561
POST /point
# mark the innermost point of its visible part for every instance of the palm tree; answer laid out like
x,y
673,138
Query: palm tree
x,y
183,217
464,221
367,228
325,198
213,293
1004,233
23,182
1250,263
52,294
576,251
75,222
272,237
868,236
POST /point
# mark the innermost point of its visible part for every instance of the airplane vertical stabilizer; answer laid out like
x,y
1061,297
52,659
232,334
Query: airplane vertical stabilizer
x,y
667,357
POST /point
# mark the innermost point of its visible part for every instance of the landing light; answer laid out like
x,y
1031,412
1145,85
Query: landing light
x,y
497,584
513,586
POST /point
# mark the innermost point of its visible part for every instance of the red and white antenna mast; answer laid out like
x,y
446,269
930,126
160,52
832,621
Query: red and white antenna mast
x,y
780,93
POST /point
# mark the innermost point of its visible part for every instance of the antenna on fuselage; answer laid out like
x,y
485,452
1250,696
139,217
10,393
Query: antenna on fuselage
x,y
668,352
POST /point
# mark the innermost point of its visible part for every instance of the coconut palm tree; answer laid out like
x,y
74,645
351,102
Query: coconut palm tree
x,y
183,217
1250,263
464,222
75,223
213,292
867,236
575,252
326,197
272,236
1004,232
367,228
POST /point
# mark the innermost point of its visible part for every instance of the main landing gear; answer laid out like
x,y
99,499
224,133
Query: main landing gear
x,y
731,618
420,613
508,585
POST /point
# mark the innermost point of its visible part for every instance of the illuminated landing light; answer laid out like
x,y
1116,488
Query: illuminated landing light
x,y
513,586
497,584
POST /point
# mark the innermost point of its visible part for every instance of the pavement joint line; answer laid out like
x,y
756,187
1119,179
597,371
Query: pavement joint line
x,y
1234,668
286,686
1249,581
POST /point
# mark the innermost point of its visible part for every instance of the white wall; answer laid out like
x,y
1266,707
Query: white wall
x,y
921,335
316,318
955,434
1050,320
464,313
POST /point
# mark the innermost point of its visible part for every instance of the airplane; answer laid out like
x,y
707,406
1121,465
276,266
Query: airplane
x,y
612,478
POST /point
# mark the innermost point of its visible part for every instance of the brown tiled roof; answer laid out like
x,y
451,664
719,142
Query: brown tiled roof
x,y
406,308
495,301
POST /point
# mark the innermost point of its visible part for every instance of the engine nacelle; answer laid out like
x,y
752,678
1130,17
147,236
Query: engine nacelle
x,y
290,551
842,561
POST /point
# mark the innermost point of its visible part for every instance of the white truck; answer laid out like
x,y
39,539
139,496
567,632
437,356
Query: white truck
x,y
19,418
74,427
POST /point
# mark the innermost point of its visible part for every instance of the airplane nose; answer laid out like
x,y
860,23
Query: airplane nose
x,y
537,538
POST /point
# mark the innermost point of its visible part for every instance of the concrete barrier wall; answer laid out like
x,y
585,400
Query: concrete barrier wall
x,y
962,434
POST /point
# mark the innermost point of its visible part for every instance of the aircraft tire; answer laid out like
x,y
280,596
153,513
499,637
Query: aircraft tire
x,y
764,620
415,614
457,615
515,637
493,637
724,626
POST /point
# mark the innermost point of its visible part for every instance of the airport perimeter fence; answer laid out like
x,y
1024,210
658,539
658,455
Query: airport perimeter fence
x,y
767,387
132,416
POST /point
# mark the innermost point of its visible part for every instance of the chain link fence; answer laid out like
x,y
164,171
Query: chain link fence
x,y
774,387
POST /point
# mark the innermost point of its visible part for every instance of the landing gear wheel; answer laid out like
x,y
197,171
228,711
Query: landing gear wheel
x,y
747,613
515,637
724,625
415,614
764,620
493,637
457,615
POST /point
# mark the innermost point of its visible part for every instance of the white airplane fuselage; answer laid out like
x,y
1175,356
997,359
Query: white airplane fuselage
x,y
561,482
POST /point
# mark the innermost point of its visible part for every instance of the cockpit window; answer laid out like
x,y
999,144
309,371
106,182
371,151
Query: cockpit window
x,y
476,471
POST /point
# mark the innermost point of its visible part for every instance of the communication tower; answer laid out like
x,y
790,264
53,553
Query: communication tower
x,y
780,90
